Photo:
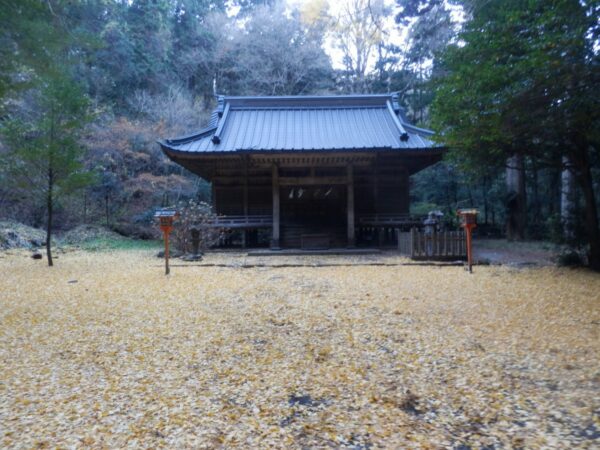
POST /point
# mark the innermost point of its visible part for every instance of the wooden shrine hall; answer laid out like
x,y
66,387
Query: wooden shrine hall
x,y
309,171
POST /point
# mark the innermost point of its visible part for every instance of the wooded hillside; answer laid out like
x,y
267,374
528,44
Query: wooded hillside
x,y
87,87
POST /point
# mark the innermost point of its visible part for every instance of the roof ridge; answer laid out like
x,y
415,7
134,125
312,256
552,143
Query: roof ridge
x,y
329,96
312,101
189,137
324,106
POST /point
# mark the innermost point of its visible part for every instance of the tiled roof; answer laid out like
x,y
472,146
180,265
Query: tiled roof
x,y
360,122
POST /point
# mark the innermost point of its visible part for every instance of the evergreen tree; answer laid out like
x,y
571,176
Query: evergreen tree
x,y
45,157
29,40
523,81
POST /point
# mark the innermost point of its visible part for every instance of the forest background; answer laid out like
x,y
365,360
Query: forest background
x,y
87,87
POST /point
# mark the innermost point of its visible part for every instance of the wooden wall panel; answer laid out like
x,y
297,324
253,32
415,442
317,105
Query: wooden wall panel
x,y
230,200
260,200
393,196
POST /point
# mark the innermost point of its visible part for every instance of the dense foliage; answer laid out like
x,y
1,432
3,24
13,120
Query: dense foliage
x,y
522,83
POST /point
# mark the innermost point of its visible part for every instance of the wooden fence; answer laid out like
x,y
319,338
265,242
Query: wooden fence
x,y
442,245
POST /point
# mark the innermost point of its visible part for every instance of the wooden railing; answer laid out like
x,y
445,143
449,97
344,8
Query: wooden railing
x,y
390,220
258,221
441,245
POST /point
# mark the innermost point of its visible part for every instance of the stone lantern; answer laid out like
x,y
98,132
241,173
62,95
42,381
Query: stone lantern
x,y
431,226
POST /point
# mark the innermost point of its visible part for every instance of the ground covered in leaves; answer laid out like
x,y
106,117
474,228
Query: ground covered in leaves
x,y
105,351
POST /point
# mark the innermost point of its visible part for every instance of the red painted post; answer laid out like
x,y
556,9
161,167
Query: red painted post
x,y
166,219
469,249
468,220
166,236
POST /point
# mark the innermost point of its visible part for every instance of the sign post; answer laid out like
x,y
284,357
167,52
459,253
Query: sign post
x,y
468,220
166,217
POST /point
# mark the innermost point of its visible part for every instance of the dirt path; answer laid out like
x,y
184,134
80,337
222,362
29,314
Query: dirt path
x,y
496,251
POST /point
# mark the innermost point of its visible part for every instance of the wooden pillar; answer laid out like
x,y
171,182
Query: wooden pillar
x,y
376,185
245,187
276,207
350,205
244,231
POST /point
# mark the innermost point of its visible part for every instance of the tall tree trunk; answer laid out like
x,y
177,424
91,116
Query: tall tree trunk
x,y
537,213
107,211
582,162
49,206
553,191
85,199
567,197
484,193
516,200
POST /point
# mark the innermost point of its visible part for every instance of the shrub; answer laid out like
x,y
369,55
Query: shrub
x,y
570,258
194,215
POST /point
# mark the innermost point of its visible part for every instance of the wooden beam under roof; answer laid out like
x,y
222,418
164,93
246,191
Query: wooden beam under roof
x,y
308,181
307,160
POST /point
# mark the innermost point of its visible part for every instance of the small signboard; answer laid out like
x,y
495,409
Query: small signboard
x,y
468,216
166,217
